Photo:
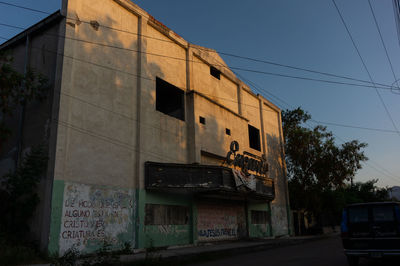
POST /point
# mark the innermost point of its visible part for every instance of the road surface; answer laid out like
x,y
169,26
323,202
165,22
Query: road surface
x,y
325,252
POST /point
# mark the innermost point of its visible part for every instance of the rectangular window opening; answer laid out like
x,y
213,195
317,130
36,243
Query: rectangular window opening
x,y
227,131
157,214
169,99
202,120
254,138
358,215
259,217
215,72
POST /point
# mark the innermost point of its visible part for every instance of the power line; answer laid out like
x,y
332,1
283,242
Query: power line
x,y
229,54
365,68
236,56
26,8
383,42
261,90
356,127
298,68
385,170
336,124
387,87
396,10
315,121
105,138
306,78
392,176
381,172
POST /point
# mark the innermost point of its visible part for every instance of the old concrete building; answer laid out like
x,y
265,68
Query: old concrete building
x,y
152,141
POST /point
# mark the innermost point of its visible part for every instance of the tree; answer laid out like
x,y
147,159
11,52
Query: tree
x,y
18,190
316,165
17,89
18,193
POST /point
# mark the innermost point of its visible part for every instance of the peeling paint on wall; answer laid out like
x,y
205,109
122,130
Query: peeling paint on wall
x,y
94,215
220,222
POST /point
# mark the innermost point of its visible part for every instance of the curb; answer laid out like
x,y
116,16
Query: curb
x,y
206,252
186,254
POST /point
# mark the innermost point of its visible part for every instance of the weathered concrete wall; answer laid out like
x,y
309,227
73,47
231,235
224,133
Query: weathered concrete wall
x,y
211,136
223,90
96,141
98,96
274,147
163,137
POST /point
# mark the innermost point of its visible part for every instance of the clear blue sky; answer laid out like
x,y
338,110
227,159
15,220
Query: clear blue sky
x,y
307,34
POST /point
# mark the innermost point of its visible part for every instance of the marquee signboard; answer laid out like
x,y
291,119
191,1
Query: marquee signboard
x,y
257,164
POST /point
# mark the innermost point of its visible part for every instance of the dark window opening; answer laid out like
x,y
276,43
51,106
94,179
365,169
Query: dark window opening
x,y
202,120
358,215
254,138
157,214
215,72
227,131
169,99
383,214
259,217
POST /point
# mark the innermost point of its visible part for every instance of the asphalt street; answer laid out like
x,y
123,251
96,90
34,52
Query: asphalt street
x,y
325,252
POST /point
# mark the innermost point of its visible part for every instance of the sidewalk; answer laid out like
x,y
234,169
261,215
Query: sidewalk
x,y
180,254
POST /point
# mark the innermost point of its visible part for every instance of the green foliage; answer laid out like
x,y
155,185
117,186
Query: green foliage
x,y
365,192
321,172
314,160
18,193
16,90
106,255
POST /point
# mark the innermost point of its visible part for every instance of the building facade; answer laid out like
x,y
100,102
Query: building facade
x,y
152,141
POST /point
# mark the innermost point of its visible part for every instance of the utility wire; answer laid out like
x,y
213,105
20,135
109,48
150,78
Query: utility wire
x,y
385,170
225,53
387,87
35,10
103,137
26,8
257,88
254,86
356,127
392,176
396,10
383,42
365,68
381,172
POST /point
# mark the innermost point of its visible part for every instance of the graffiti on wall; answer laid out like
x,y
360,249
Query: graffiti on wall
x,y
93,215
220,222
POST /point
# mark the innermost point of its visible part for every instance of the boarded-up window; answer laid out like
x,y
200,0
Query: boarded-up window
x,y
259,217
157,214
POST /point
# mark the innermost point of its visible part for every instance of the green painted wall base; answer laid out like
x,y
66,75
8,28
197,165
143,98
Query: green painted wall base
x,y
74,209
